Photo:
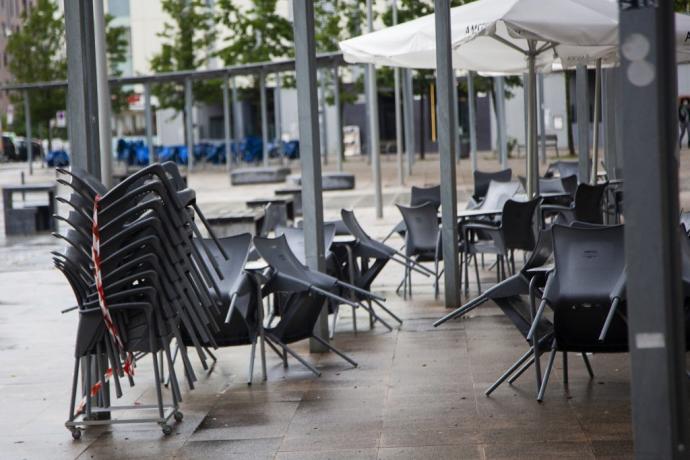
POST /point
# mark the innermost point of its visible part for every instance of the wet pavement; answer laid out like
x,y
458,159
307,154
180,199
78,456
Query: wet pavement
x,y
418,391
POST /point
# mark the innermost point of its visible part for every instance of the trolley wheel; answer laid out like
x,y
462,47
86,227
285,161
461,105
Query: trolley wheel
x,y
76,434
167,429
178,416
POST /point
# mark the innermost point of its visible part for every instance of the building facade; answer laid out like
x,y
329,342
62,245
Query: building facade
x,y
10,22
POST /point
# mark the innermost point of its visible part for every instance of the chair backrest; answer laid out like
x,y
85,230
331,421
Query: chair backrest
x,y
421,195
422,226
551,185
518,224
543,250
588,203
295,239
589,263
353,225
569,184
274,215
298,318
498,193
237,249
482,179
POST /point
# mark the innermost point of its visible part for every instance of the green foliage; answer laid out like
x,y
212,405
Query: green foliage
x,y
187,40
116,45
37,53
682,6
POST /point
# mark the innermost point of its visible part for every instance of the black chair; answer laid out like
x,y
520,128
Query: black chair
x,y
418,196
565,169
422,241
482,179
589,264
517,231
586,207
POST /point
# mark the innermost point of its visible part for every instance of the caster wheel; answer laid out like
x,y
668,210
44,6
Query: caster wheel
x,y
167,430
76,434
178,416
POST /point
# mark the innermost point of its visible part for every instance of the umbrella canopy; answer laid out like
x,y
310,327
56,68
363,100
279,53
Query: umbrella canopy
x,y
495,35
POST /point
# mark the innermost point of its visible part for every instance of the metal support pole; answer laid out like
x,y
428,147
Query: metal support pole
x,y
82,94
446,144
264,116
582,114
656,317
338,120
408,118
608,93
103,88
189,122
238,122
148,121
456,131
27,120
308,113
324,117
502,147
597,109
532,154
278,116
398,114
374,149
542,121
227,126
472,118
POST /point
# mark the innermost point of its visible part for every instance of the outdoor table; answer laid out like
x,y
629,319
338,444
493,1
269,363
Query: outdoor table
x,y
32,217
470,213
287,202
347,241
236,222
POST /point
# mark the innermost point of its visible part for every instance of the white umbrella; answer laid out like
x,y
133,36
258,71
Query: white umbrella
x,y
509,37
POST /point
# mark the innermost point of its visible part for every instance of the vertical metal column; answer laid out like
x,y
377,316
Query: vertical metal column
x,y
656,318
542,121
324,117
278,116
532,113
502,147
189,123
609,120
27,121
308,113
374,149
103,88
597,110
338,120
398,114
408,118
446,145
456,131
238,122
82,94
148,122
472,118
264,116
227,126
582,114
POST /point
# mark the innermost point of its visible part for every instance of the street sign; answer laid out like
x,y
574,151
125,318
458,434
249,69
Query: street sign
x,y
10,114
61,119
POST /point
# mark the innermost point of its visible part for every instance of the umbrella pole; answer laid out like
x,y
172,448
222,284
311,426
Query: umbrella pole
x,y
532,159
597,109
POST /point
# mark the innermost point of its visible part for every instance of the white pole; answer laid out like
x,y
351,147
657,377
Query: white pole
x,y
103,90
374,150
597,109
472,119
398,115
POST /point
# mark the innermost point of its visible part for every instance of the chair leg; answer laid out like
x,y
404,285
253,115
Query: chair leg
x,y
507,373
588,365
73,395
467,273
335,318
376,317
252,355
522,370
390,313
476,274
354,319
547,373
335,350
565,368
436,280
499,265
294,354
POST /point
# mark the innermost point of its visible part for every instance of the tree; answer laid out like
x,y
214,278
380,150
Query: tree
x,y
188,38
116,48
37,53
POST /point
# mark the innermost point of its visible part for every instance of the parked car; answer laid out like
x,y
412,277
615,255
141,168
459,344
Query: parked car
x,y
21,150
8,149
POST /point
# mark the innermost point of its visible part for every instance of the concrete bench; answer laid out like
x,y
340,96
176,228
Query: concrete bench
x,y
31,216
287,203
236,222
296,194
330,181
551,141
262,175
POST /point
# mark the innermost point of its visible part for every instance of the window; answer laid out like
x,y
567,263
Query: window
x,y
118,8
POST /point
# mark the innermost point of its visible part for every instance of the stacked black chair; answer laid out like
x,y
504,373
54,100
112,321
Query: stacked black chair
x,y
139,280
565,169
589,265
307,291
